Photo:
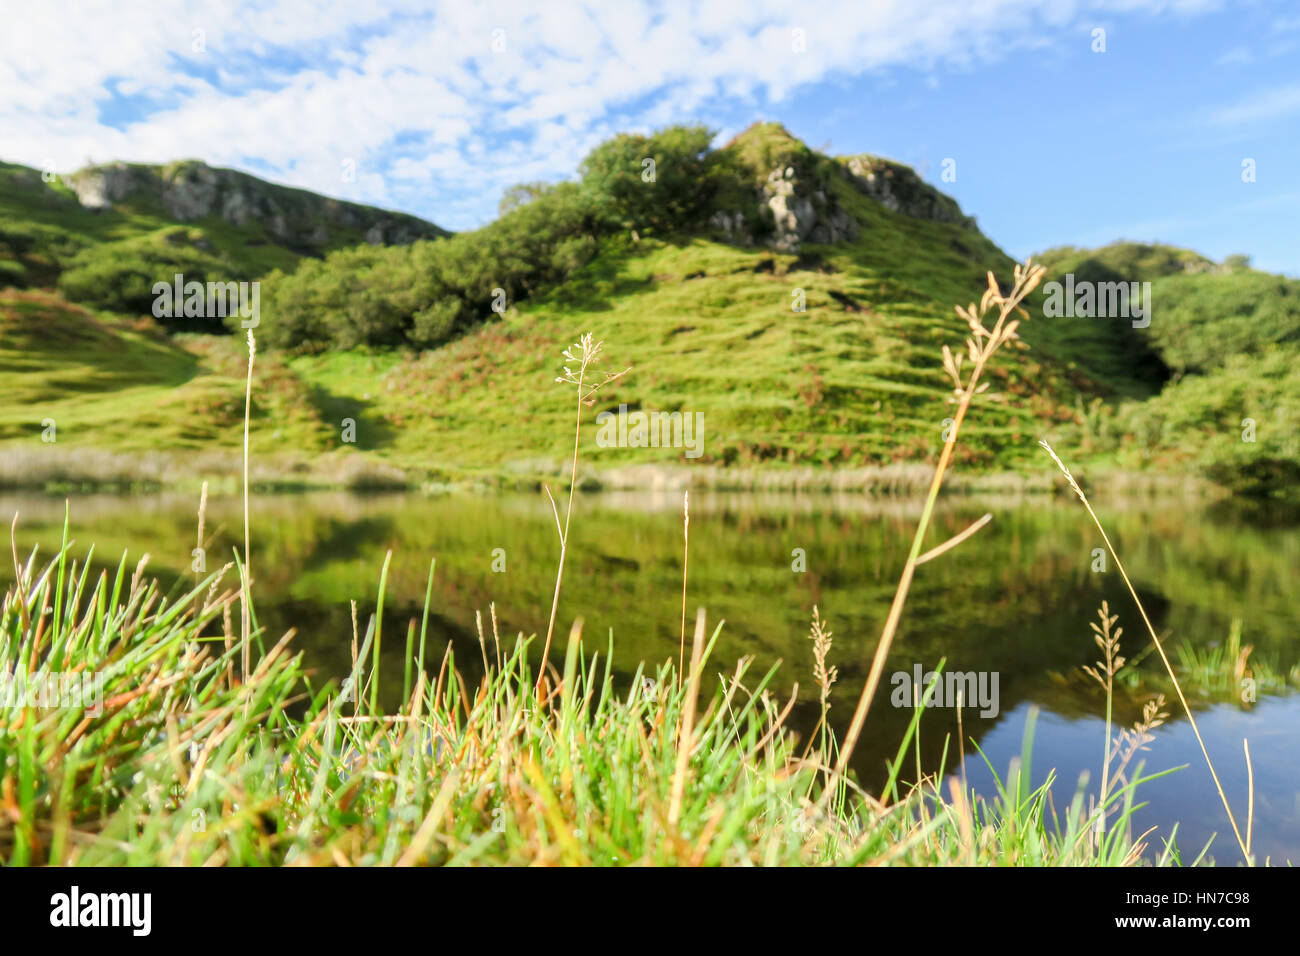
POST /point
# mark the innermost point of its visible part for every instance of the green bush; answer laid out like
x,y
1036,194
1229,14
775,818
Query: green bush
x,y
433,325
1131,261
1197,321
663,182
12,274
20,237
29,239
120,276
424,294
1236,424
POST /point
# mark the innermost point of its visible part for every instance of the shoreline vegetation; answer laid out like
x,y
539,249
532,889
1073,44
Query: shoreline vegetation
x,y
210,745
56,470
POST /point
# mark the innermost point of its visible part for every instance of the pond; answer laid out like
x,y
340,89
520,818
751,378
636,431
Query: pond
x,y
1010,608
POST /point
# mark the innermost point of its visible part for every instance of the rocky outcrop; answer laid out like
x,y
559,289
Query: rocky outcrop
x,y
295,218
899,189
100,187
795,196
800,212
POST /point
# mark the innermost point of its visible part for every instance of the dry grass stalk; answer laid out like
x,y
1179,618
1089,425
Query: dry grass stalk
x,y
981,346
825,676
820,635
203,509
686,553
685,740
245,617
585,353
1250,789
1130,742
1104,674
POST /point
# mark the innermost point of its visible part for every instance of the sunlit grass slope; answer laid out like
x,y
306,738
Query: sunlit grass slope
x,y
709,328
824,357
112,384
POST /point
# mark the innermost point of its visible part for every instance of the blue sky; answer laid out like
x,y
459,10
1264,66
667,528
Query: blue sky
x,y
439,107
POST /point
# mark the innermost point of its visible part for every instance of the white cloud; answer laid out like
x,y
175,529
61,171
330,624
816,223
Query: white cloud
x,y
1237,56
417,95
1263,105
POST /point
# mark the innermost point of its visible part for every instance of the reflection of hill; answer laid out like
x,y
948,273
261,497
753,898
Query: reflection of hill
x,y
1016,599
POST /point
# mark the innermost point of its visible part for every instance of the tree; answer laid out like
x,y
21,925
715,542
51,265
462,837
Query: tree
x,y
661,182
521,194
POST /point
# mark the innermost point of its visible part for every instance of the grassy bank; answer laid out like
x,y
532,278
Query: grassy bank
x,y
63,470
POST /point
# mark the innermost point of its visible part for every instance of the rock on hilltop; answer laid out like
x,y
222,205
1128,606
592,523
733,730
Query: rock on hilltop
x,y
190,191
793,192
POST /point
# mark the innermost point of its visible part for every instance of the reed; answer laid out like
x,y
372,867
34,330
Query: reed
x,y
246,568
1159,646
981,346
584,354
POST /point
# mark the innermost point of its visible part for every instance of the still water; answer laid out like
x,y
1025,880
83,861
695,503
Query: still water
x,y
1013,603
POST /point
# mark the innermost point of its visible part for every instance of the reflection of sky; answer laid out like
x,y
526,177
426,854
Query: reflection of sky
x,y
1186,797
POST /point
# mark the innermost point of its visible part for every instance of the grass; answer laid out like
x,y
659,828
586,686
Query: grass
x,y
1104,674
585,354
1242,842
188,765
981,346
117,385
711,331
1229,672
845,387
804,406
246,567
846,384
177,761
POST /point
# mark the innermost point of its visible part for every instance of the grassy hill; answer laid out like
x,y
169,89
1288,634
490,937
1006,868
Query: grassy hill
x,y
84,232
127,402
797,302
1140,261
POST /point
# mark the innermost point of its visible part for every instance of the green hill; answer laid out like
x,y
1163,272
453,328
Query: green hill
x,y
1141,261
797,302
104,234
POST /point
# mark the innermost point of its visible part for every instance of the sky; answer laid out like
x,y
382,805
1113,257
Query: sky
x,y
1060,121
